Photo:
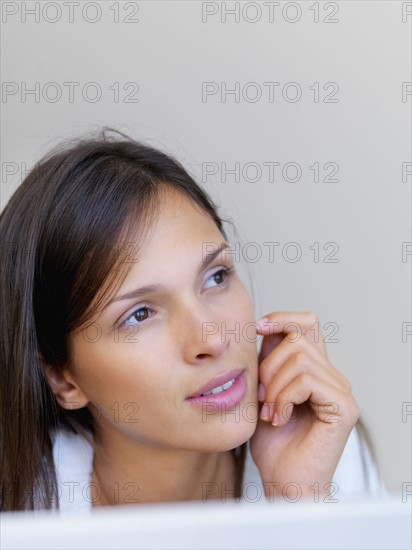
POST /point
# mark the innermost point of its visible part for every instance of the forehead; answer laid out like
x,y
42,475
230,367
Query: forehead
x,y
178,235
179,224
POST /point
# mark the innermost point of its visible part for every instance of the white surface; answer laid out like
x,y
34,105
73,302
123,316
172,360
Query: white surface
x,y
358,525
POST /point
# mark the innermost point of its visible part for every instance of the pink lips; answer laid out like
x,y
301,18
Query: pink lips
x,y
223,400
217,381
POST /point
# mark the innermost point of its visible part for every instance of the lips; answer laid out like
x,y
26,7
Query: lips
x,y
217,381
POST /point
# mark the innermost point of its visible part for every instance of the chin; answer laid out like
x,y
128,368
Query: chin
x,y
229,434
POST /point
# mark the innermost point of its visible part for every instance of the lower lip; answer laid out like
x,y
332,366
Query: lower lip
x,y
224,399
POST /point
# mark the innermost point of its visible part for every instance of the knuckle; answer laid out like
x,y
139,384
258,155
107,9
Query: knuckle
x,y
312,318
302,378
356,410
301,357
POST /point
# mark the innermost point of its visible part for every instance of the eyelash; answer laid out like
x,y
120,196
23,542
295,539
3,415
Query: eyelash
x,y
226,271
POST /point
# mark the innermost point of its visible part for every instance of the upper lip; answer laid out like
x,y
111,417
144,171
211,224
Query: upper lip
x,y
218,381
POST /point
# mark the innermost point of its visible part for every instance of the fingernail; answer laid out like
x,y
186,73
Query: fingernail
x,y
264,414
262,321
261,392
275,419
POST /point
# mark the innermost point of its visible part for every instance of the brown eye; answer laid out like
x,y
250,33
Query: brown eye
x,y
139,315
222,275
219,276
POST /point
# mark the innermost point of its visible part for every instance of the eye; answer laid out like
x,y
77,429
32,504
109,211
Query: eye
x,y
137,315
140,315
222,275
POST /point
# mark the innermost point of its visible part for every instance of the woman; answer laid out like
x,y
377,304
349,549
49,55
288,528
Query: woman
x,y
128,356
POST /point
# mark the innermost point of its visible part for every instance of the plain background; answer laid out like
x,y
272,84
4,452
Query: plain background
x,y
162,57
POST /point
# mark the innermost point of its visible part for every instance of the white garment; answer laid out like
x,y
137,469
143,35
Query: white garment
x,y
73,458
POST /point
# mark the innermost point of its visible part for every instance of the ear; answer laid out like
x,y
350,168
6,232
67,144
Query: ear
x,y
67,392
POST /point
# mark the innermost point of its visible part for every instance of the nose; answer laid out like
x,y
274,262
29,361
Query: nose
x,y
201,335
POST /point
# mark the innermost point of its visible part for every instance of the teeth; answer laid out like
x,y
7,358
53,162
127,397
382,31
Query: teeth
x,y
220,388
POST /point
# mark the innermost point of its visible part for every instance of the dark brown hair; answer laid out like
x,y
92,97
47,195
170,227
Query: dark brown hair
x,y
66,228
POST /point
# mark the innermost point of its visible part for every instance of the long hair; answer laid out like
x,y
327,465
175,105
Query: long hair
x,y
65,229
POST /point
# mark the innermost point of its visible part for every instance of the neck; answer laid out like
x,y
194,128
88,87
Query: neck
x,y
128,471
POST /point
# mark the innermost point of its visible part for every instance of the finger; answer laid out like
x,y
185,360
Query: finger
x,y
271,365
298,363
301,323
320,396
269,343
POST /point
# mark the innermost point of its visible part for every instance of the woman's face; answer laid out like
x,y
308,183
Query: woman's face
x,y
158,349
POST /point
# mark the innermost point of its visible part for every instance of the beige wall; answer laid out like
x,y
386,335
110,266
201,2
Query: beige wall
x,y
353,113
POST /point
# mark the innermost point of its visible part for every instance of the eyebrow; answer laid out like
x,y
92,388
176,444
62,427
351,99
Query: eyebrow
x,y
208,259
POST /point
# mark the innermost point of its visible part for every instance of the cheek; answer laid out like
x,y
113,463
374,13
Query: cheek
x,y
111,372
124,390
241,311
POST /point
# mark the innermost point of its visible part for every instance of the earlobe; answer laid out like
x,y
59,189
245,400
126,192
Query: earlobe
x,y
68,394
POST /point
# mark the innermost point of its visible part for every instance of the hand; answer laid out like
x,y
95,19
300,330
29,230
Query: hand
x,y
311,401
